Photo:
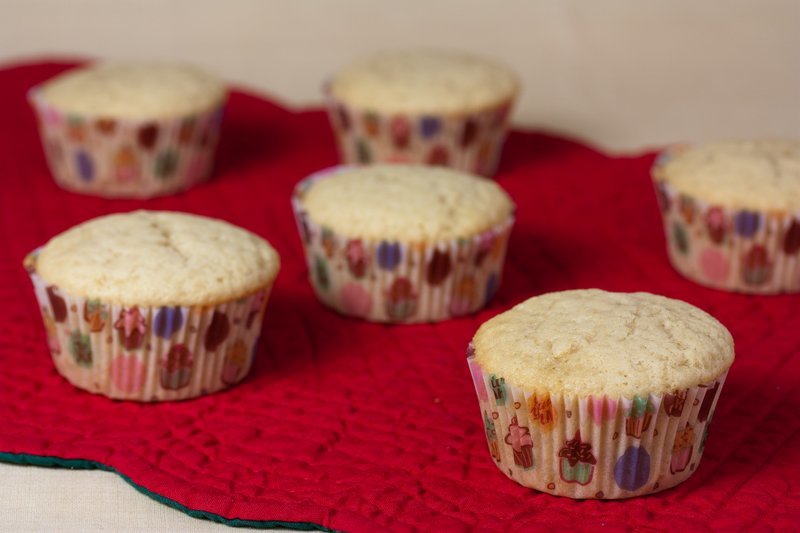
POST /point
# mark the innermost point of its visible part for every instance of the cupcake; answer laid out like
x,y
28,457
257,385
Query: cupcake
x,y
153,306
403,243
432,107
731,214
132,130
593,394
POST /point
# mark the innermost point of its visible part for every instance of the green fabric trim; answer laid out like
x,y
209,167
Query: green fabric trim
x,y
84,464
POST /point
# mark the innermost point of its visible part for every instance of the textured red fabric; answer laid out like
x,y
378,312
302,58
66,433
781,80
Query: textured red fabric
x,y
360,426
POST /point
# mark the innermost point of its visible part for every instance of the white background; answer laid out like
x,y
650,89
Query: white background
x,y
622,74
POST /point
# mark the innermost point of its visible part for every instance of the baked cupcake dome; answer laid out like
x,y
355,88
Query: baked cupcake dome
x,y
424,106
153,306
731,213
403,243
130,129
592,394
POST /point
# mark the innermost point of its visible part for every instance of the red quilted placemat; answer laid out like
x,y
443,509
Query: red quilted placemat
x,y
356,426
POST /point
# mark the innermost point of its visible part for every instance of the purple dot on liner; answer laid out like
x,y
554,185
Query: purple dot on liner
x,y
633,468
747,223
430,126
168,321
491,287
85,165
389,255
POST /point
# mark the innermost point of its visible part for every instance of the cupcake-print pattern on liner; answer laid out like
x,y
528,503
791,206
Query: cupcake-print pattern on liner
x,y
599,448
401,282
149,354
731,249
127,158
470,142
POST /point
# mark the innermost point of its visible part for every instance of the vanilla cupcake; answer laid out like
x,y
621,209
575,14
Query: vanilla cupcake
x,y
593,394
151,305
432,107
403,243
132,130
732,213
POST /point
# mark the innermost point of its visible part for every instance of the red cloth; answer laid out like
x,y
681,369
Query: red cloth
x,y
360,426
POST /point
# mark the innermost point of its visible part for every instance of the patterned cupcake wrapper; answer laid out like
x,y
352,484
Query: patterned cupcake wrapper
x,y
393,281
594,447
147,353
125,158
732,249
470,142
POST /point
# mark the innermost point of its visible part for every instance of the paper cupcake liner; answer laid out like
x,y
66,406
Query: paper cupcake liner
x,y
471,142
127,158
732,249
594,447
147,353
395,281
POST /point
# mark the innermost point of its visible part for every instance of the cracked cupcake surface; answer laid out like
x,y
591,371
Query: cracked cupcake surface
x,y
756,175
424,81
586,342
406,202
134,90
158,258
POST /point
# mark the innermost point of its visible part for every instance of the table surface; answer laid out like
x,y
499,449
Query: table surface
x,y
86,500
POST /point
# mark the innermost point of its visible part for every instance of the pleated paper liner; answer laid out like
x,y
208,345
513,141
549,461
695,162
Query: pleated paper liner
x,y
395,281
127,158
595,447
732,249
146,353
471,142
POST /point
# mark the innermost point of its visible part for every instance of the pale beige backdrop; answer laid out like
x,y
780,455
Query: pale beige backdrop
x,y
623,74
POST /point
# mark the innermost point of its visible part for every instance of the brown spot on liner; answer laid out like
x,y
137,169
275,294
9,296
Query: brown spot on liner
x,y
439,267
217,331
106,126
187,130
469,133
58,304
148,135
